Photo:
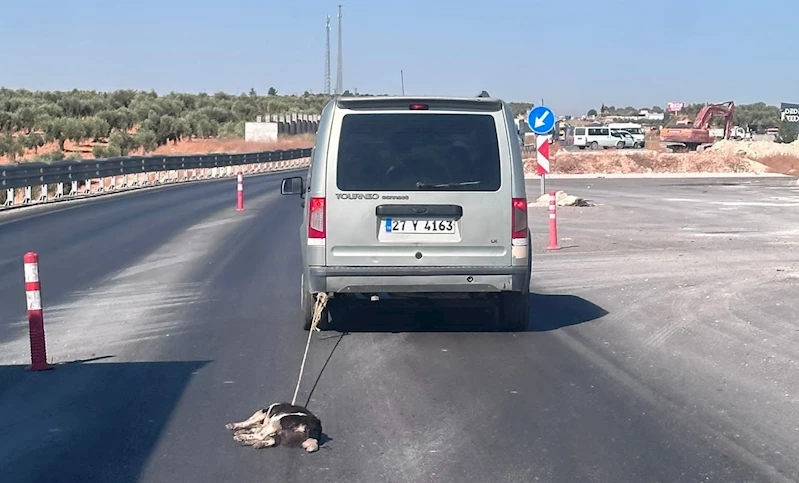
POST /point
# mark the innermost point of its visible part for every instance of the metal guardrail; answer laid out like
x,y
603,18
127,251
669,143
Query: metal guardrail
x,y
130,172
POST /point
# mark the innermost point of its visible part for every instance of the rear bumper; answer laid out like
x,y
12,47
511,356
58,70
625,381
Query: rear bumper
x,y
353,280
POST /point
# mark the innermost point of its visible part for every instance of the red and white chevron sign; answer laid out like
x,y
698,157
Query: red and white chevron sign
x,y
542,154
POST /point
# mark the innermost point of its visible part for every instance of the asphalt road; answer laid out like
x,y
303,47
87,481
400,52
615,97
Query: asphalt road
x,y
170,314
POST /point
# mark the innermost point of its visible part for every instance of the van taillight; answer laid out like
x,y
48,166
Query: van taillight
x,y
419,107
316,218
519,215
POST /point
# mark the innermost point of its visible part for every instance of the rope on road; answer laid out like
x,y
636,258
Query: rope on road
x,y
319,306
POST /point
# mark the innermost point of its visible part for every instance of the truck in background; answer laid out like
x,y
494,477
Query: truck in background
x,y
737,133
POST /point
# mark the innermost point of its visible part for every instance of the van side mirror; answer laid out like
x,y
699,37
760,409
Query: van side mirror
x,y
292,186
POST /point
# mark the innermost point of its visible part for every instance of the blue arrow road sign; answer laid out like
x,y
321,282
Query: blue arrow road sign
x,y
541,119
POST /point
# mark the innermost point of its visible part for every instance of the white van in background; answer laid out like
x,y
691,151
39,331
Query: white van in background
x,y
636,130
596,137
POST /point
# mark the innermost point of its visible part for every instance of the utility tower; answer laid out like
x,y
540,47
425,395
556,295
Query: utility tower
x,y
327,59
340,63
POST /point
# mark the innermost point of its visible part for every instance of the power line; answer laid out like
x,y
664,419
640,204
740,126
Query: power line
x,y
340,64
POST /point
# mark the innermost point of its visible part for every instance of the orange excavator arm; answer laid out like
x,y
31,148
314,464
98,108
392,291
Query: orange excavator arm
x,y
726,109
691,138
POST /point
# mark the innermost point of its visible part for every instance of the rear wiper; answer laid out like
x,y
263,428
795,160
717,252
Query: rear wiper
x,y
421,185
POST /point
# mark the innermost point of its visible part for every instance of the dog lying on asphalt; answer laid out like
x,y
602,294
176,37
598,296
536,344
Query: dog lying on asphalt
x,y
281,423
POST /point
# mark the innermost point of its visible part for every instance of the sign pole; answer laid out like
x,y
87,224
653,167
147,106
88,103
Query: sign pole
x,y
541,120
543,184
542,160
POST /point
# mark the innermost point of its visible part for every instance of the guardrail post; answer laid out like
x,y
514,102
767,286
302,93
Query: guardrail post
x,y
42,193
59,191
28,197
10,193
73,189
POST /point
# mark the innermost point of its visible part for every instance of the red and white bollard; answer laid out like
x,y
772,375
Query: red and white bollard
x,y
35,313
553,222
240,192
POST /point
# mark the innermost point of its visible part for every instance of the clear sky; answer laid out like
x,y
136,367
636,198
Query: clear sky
x,y
574,54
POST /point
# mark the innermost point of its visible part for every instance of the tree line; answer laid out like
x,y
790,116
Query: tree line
x,y
757,116
123,121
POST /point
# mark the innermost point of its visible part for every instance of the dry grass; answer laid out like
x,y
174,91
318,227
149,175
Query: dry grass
x,y
204,146
187,146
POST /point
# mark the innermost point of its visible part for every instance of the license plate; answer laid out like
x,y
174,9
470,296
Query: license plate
x,y
419,226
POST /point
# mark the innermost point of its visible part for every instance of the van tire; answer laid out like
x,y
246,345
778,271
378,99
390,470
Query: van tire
x,y
620,145
594,145
514,311
306,309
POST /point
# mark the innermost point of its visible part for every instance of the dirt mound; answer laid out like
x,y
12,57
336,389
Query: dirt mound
x,y
724,157
645,161
754,149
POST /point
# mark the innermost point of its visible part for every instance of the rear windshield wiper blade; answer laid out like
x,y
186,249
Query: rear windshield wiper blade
x,y
421,185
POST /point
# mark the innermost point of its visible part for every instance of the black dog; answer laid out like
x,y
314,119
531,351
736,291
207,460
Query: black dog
x,y
281,423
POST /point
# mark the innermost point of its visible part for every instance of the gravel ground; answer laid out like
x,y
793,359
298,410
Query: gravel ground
x,y
699,277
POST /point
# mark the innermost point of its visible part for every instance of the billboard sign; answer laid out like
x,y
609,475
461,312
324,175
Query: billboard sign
x,y
675,106
789,112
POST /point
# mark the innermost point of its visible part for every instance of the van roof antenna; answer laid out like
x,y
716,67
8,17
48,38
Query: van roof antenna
x,y
484,94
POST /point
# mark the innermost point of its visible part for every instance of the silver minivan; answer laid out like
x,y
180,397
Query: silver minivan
x,y
416,197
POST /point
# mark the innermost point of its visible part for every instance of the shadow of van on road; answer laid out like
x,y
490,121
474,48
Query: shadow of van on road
x,y
547,312
86,422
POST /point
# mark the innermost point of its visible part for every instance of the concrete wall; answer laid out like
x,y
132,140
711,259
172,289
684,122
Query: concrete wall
x,y
260,131
278,125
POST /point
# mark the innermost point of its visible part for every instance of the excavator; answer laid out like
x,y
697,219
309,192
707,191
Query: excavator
x,y
697,137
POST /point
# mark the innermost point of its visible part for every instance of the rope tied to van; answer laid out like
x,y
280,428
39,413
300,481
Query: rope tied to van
x,y
319,306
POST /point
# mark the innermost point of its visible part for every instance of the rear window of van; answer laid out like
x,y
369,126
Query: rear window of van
x,y
418,152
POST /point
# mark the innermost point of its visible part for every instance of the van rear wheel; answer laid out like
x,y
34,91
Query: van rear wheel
x,y
307,307
514,310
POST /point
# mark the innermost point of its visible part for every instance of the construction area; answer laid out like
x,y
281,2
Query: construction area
x,y
709,143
